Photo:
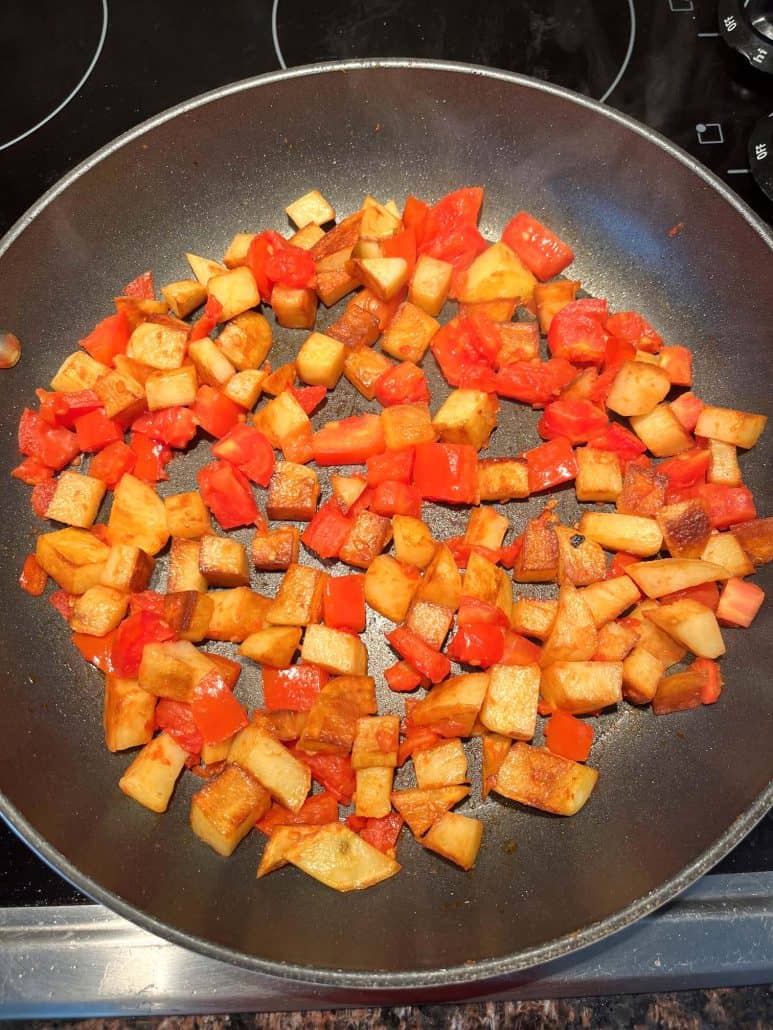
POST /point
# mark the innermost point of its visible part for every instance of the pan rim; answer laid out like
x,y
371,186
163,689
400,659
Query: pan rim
x,y
481,971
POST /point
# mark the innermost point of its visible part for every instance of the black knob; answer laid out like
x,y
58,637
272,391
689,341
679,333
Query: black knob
x,y
748,28
761,154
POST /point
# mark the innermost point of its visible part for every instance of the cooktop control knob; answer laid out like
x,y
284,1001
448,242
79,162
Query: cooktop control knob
x,y
748,28
761,154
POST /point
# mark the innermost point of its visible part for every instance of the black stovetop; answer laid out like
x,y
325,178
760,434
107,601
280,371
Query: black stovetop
x,y
81,73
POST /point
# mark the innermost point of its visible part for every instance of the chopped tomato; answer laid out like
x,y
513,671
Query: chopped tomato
x,y
63,603
383,833
473,610
704,593
403,245
712,687
687,468
316,810
32,471
568,737
676,362
51,445
131,637
419,654
727,505
458,208
534,382
215,710
62,409
95,431
519,651
630,327
417,738
478,643
309,397
226,492
539,249
577,332
96,650
272,259
333,772
294,688
402,677
739,603
108,338
176,719
577,420
619,562
33,576
550,464
687,409
327,532
351,441
142,287
212,314
147,601
459,353
396,466
415,215
174,426
446,472
246,447
343,603
215,412
42,495
112,462
393,498
404,383
151,456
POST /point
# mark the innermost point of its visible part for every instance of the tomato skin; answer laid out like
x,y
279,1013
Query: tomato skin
x,y
51,445
96,650
401,677
174,426
518,650
446,472
295,687
685,469
333,772
215,412
415,215
108,338
577,333
343,602
42,495
577,420
568,736
309,397
95,431
395,466
327,531
383,833
33,577
248,449
32,471
404,383
419,654
727,505
534,382
272,259
713,687
395,498
176,719
459,208
216,712
351,441
151,457
112,462
550,464
676,362
226,492
131,637
543,253
630,327
461,356
142,287
402,244
622,441
213,312
62,409
479,644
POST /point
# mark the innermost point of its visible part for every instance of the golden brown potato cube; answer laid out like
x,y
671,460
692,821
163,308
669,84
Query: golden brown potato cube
x,y
275,550
139,309
294,307
642,671
281,379
298,600
723,549
223,561
582,687
730,426
536,777
510,705
643,493
341,859
236,291
284,777
138,516
121,396
637,388
335,650
390,586
183,570
307,237
160,346
212,754
187,515
285,725
172,669
188,612
246,340
133,370
481,579
458,698
128,714
406,425
73,558
756,538
237,613
686,527
615,532
537,561
376,741
78,371
310,209
332,721
519,341
502,479
245,388
372,795
615,643
184,296
455,837
430,284
534,617
151,777
599,476
204,268
98,610
442,582
610,597
444,765
358,329
723,464
654,640
170,389
495,748
320,361
485,528
421,808
580,561
467,416
367,538
279,843
413,541
409,333
293,492
661,432
551,297
496,273
363,368
212,366
274,645
573,633
238,250
665,575
378,220
227,807
430,621
76,499
692,624
334,279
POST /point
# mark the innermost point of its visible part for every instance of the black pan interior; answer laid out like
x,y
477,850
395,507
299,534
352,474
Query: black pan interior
x,y
675,793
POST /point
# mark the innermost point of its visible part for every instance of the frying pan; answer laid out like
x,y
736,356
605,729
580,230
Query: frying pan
x,y
675,794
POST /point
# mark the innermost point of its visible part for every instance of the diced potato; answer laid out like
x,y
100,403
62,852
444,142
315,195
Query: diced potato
x,y
723,549
223,561
310,209
127,568
637,388
121,395
236,614
413,541
172,388
615,643
502,479
331,724
275,550
320,360
686,528
573,634
665,575
580,561
534,617
599,477
294,307
306,237
481,579
582,687
609,598
359,326
274,645
443,765
293,492
430,284
363,368
74,558
730,426
536,777
661,431
406,425
98,610
642,672
422,808
187,515
455,837
537,561
140,309
245,388
432,622
138,516
495,748
204,268
390,586
235,290
372,796
756,538
335,650
510,705
183,570
246,340
184,296
334,278
284,777
468,417
367,538
212,366
551,297
173,669
442,582
238,249
692,624
227,807
723,464
160,346
409,333
131,369
189,612
298,601
383,275
76,499
457,699
616,532
377,220
376,742
486,528
151,777
279,843
497,272
341,859
500,311
78,371
654,640
128,715
643,493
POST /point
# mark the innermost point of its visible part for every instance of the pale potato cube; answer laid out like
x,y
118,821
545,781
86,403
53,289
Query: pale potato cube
x,y
187,515
430,284
138,516
128,715
236,291
467,417
373,791
409,333
121,395
73,558
609,598
237,613
413,541
723,464
184,296
298,601
481,579
455,837
274,645
430,621
282,419
642,672
692,624
127,568
227,807
173,669
637,388
238,249
582,687
98,610
76,499
724,549
341,859
534,617
204,268
502,479
729,426
245,388
486,528
170,389
389,587
223,561
661,432
306,237
665,575
654,640
497,273
384,276
444,765
599,477
183,569
246,340
294,307
272,765
635,534
334,650
536,777
320,360
573,634
212,366
160,346
310,209
78,371
458,698
510,705
422,808
378,221
376,742
442,582
151,777
279,843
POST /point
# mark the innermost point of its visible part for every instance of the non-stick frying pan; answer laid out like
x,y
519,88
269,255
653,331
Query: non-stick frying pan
x,y
676,793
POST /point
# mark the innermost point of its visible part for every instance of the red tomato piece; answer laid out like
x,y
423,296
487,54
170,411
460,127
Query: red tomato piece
x,y
392,498
458,208
62,409
620,440
343,602
577,420
142,287
174,426
215,710
51,445
309,397
550,464
383,833
479,644
33,576
317,810
112,462
108,338
42,494
705,593
687,409
151,458
676,362
95,431
147,601
131,637
473,610
215,412
396,466
176,719
295,688
404,383
328,530
96,650
419,654
577,332
203,326
630,327
569,737
246,447
543,253
712,687
459,353
333,772
415,215
739,603
403,245
63,603
402,677
685,469
349,442
417,738
446,472
519,651
226,492
534,382
32,471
